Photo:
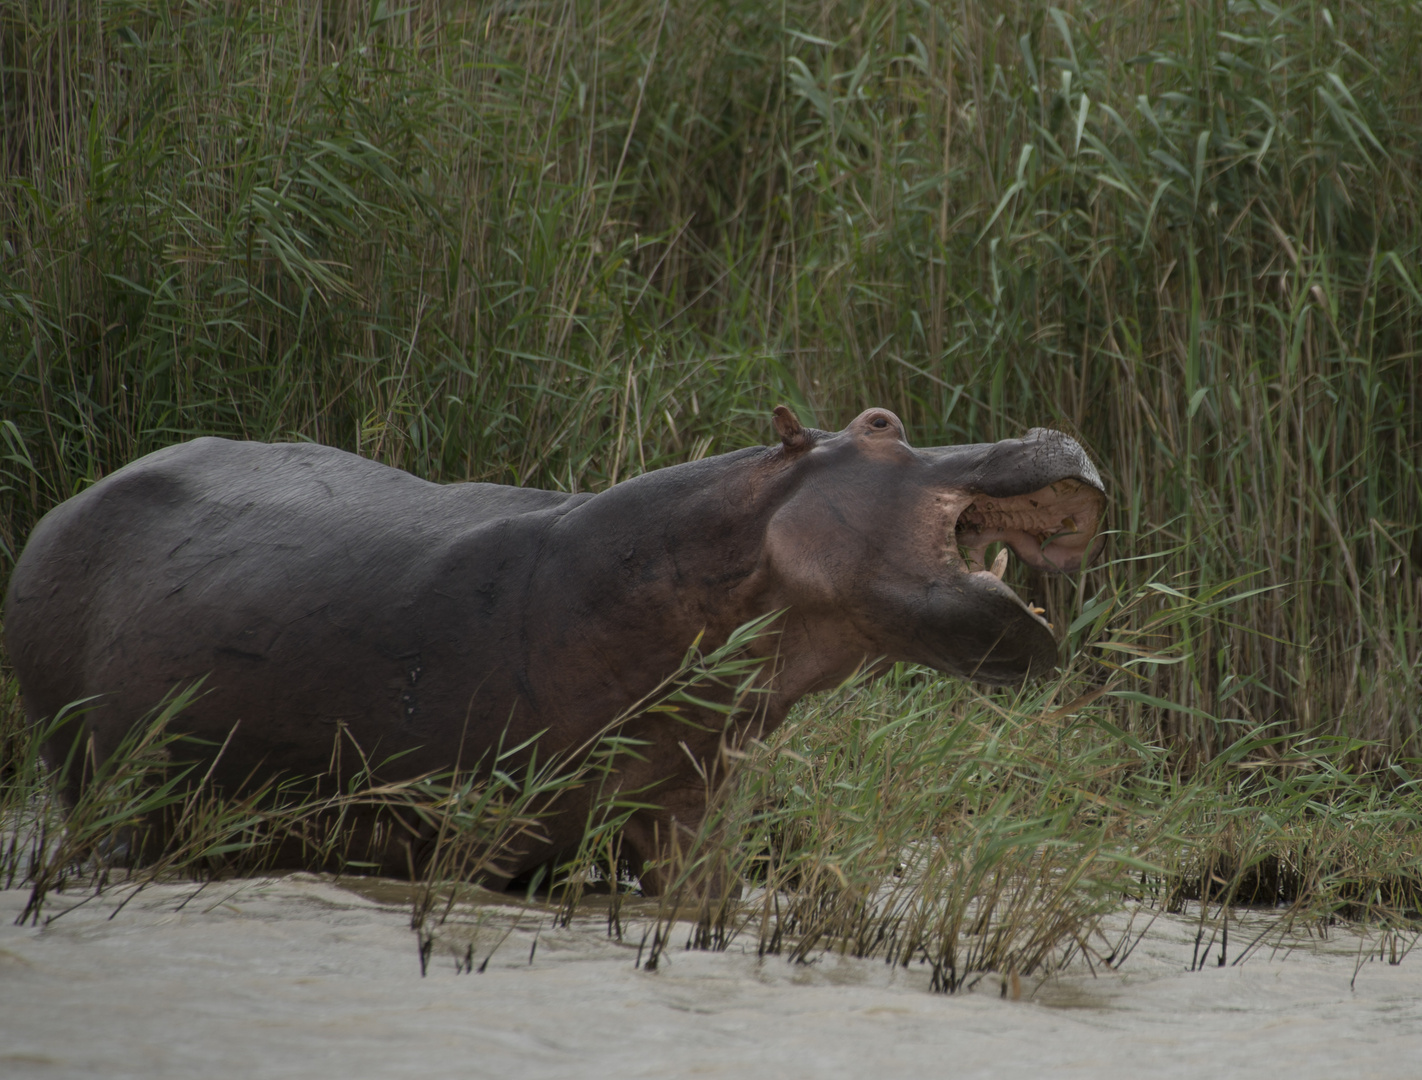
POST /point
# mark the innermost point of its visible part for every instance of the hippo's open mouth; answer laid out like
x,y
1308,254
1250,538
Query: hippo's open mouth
x,y
1053,528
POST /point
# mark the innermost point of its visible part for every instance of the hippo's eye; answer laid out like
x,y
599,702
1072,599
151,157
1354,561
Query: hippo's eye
x,y
879,422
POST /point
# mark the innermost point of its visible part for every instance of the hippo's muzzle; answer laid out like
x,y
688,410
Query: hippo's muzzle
x,y
1040,497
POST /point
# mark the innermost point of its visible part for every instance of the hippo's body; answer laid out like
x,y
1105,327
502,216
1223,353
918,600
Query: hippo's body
x,y
317,592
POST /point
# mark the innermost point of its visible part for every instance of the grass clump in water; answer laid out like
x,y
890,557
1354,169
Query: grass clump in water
x,y
922,822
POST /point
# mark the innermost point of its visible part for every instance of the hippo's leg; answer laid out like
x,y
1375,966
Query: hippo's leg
x,y
656,843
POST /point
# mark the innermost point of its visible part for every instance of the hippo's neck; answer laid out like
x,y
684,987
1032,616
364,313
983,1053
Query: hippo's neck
x,y
627,580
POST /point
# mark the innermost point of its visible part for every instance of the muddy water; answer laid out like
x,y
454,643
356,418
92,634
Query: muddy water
x,y
303,977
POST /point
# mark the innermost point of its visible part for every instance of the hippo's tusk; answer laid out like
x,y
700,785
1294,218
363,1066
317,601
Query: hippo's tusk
x,y
999,564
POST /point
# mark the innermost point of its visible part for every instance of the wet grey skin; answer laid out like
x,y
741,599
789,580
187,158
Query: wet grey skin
x,y
317,591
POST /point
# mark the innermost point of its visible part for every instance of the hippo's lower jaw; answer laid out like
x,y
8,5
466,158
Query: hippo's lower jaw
x,y
994,637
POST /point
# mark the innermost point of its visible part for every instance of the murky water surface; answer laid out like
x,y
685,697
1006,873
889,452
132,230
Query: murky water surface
x,y
302,977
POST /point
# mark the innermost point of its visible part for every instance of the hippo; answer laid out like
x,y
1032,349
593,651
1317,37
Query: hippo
x,y
315,591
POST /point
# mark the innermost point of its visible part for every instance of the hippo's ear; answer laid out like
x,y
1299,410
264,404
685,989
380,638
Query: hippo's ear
x,y
792,432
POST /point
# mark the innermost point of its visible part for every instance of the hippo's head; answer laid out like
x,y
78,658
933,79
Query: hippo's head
x,y
884,546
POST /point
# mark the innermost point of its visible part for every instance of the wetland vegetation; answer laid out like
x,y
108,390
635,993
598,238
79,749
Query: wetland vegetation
x,y
561,243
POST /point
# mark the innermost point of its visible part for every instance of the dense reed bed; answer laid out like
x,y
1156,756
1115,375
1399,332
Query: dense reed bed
x,y
562,243
558,244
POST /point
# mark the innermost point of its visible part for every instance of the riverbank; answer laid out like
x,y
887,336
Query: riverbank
x,y
290,976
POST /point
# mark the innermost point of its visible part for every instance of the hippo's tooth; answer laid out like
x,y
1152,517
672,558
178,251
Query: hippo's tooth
x,y
999,564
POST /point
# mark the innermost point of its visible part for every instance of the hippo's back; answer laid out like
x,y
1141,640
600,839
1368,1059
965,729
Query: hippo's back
x,y
215,555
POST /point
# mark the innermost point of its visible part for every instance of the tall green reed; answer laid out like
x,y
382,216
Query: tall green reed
x,y
559,245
